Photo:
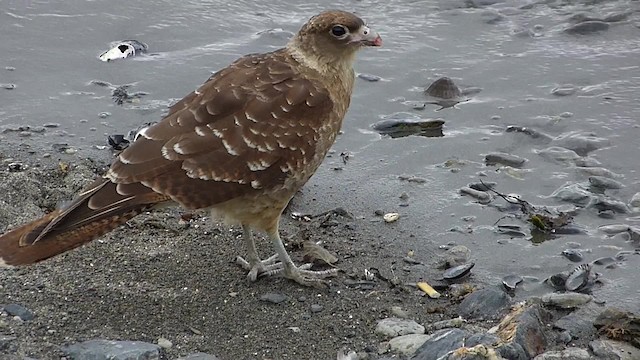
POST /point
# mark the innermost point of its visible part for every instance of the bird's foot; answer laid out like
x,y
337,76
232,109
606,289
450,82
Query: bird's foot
x,y
260,268
303,276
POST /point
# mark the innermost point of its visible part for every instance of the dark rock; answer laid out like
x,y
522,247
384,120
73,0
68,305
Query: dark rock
x,y
574,255
113,350
458,272
504,159
19,311
482,338
587,27
199,356
316,308
440,343
524,328
274,298
484,304
512,351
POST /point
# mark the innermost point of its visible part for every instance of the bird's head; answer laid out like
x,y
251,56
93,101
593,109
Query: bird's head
x,y
333,37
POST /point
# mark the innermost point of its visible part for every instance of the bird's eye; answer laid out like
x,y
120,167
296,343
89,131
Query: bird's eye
x,y
338,31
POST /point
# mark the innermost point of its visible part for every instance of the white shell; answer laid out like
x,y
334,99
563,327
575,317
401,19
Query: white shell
x,y
391,217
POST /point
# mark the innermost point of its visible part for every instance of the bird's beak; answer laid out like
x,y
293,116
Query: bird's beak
x,y
366,37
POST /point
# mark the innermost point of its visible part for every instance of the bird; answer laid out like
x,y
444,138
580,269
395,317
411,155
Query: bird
x,y
240,145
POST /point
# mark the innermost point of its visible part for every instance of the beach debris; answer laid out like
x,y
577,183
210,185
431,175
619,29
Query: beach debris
x,y
581,279
458,272
427,289
118,142
444,92
510,282
123,49
391,217
619,325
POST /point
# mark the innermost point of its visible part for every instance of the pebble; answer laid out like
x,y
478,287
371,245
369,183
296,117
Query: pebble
x,y
574,255
199,356
316,308
18,310
568,300
587,27
510,282
8,86
456,255
446,324
164,343
504,159
369,77
392,327
483,197
391,217
398,312
635,200
104,115
274,298
408,344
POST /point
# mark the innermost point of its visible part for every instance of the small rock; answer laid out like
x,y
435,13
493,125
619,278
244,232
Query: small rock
x,y
408,344
392,327
484,304
574,255
587,27
51,125
18,310
455,256
164,343
8,86
316,308
391,217
274,298
567,300
369,77
108,349
399,313
566,354
614,350
504,159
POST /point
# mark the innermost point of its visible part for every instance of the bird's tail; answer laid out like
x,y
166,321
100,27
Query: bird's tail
x,y
102,207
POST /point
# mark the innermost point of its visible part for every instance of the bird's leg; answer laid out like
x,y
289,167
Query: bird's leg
x,y
253,262
299,274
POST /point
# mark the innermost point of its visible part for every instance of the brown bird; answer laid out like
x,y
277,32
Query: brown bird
x,y
241,145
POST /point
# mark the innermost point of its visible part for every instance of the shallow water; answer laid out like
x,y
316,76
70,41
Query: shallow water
x,y
517,54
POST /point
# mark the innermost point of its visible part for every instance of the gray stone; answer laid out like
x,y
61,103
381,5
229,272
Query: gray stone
x,y
455,256
504,159
567,300
484,304
392,327
316,308
18,310
408,344
614,350
112,350
199,356
440,343
274,298
399,313
566,354
481,338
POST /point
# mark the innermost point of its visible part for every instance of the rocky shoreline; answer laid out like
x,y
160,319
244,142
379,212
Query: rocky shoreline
x,y
114,298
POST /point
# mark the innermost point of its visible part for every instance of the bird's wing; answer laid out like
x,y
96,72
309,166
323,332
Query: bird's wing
x,y
248,128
